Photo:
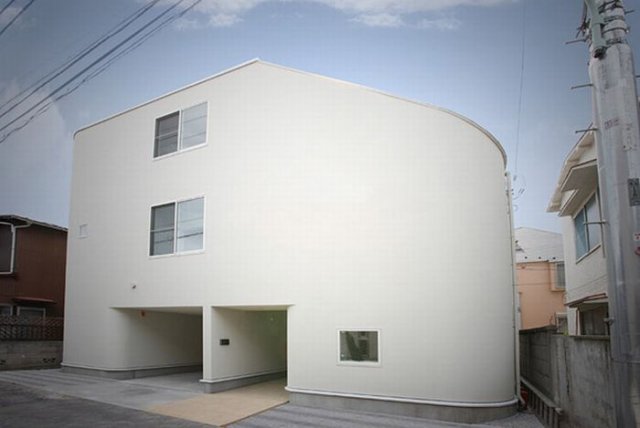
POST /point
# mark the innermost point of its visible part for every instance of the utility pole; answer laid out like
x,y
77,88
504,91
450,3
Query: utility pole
x,y
615,117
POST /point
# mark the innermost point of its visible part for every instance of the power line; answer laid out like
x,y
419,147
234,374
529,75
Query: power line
x,y
105,66
520,91
85,69
6,6
23,10
42,82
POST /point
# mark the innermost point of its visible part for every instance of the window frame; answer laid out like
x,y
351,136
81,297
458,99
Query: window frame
x,y
354,363
175,227
7,305
12,258
583,210
560,267
32,308
179,148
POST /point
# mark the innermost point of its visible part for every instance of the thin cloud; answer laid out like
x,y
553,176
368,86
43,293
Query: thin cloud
x,y
224,20
371,13
379,20
403,6
442,24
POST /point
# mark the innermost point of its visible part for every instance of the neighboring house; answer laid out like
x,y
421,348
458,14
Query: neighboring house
x,y
268,221
32,267
577,201
540,278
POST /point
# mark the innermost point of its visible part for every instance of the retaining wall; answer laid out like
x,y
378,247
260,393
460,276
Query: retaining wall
x,y
21,354
572,371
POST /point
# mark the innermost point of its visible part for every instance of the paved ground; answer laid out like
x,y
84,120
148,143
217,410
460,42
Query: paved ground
x,y
230,406
296,416
23,407
50,398
137,394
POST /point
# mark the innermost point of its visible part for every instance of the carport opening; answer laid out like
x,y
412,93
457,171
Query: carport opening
x,y
164,342
248,346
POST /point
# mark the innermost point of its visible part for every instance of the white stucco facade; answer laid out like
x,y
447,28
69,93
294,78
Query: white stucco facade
x,y
328,207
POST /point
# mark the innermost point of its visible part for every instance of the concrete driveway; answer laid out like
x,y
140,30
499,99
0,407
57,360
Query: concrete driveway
x,y
177,395
50,398
23,407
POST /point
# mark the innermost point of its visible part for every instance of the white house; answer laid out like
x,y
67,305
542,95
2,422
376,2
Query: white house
x,y
267,220
577,201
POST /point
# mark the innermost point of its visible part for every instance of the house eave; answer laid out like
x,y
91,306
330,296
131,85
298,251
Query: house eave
x,y
572,160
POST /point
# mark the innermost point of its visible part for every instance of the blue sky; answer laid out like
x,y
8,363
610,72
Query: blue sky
x,y
464,55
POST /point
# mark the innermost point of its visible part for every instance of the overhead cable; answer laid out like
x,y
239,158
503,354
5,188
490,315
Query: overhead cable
x,y
42,82
103,67
17,15
85,69
6,6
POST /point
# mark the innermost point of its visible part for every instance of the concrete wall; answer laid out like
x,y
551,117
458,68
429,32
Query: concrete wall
x,y
574,372
352,208
16,355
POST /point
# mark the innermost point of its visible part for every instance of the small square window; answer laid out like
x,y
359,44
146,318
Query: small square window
x,y
83,231
359,346
6,310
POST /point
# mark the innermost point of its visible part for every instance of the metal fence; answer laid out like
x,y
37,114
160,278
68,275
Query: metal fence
x,y
25,328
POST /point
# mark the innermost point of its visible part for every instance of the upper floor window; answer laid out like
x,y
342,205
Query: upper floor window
x,y
177,227
181,130
587,227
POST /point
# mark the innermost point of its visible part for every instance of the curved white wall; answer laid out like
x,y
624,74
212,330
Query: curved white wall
x,y
358,209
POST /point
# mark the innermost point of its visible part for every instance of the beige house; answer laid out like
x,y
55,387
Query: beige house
x,y
268,222
576,200
540,278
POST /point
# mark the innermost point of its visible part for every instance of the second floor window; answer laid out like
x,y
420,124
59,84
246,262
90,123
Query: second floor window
x,y
177,227
181,130
587,227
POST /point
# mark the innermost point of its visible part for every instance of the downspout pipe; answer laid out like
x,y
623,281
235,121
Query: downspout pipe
x,y
514,288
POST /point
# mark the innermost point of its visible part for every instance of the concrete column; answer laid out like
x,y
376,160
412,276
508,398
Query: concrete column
x,y
207,343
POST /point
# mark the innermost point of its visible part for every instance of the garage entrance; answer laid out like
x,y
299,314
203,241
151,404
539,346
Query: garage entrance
x,y
243,345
